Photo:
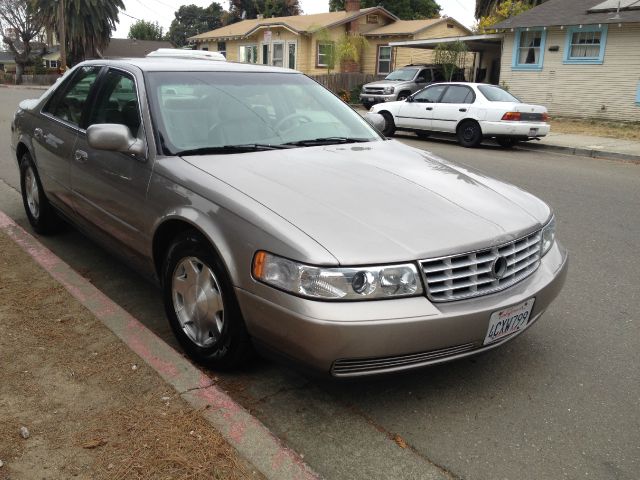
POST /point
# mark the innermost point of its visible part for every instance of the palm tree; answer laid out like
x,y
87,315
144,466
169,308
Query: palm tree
x,y
88,24
486,7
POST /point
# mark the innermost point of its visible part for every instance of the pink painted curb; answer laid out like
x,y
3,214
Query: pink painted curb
x,y
241,429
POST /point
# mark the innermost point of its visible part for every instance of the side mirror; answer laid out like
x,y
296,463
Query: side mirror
x,y
376,120
409,99
114,137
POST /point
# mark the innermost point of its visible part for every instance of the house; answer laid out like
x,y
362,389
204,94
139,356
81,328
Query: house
x,y
128,47
303,42
7,61
580,58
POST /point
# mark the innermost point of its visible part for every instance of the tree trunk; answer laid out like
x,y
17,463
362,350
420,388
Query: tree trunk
x,y
19,72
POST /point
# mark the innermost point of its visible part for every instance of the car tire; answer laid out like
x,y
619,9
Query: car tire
x,y
423,135
201,305
403,96
389,124
367,105
40,213
469,134
507,142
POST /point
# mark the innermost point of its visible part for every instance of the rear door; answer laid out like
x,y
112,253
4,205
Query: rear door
x,y
452,108
110,188
417,113
54,137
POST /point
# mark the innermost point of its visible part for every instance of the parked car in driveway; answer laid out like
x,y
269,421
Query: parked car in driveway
x,y
273,216
399,84
471,111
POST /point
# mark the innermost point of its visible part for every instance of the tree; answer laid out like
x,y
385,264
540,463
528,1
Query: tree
x,y
88,24
451,57
503,10
191,20
20,27
143,30
404,9
485,8
346,48
266,8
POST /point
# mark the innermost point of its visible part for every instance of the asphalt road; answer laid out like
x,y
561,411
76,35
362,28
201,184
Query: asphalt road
x,y
561,401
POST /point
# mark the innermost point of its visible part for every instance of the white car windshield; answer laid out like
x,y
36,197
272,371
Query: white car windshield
x,y
497,94
402,75
199,111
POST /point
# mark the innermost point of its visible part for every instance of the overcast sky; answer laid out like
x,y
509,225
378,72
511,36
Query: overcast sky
x,y
161,11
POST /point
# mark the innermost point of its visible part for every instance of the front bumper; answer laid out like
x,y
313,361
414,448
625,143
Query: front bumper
x,y
514,129
325,335
377,98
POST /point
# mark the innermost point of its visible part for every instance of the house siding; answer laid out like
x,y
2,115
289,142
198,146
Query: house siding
x,y
606,90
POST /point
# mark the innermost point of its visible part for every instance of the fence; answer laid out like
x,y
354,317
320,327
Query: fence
x,y
49,79
338,82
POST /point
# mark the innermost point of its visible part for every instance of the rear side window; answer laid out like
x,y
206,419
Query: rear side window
x,y
69,103
496,94
458,94
429,94
117,102
425,76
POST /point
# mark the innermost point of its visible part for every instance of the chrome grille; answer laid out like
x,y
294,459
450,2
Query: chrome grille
x,y
470,274
374,90
357,366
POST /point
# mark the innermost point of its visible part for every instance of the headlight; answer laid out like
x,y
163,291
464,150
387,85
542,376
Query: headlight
x,y
548,236
328,283
389,90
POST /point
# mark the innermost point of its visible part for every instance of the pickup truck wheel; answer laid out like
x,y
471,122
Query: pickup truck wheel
x,y
403,96
389,124
201,305
469,134
367,105
40,213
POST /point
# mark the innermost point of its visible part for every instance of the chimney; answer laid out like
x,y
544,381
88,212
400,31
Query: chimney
x,y
352,5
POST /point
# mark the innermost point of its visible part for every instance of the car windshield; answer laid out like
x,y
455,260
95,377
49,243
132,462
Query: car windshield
x,y
403,75
497,94
199,111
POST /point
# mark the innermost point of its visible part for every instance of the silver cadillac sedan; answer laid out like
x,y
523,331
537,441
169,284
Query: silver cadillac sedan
x,y
274,216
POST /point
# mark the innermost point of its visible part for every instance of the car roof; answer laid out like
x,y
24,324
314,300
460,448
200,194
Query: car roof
x,y
172,64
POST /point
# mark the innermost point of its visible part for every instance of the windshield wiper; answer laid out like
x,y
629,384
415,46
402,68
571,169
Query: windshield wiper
x,y
249,147
327,141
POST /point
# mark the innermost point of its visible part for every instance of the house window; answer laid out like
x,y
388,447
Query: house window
x,y
265,54
222,48
371,18
450,25
291,52
277,56
206,49
528,50
585,45
384,59
248,54
324,55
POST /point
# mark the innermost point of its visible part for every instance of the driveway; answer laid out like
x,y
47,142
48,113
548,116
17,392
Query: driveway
x,y
561,401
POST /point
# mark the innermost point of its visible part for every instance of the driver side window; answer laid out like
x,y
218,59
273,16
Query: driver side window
x,y
68,104
117,102
429,94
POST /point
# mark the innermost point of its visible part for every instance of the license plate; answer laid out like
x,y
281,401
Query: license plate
x,y
533,132
372,99
508,321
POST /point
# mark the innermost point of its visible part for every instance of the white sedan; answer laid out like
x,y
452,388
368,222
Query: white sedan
x,y
472,111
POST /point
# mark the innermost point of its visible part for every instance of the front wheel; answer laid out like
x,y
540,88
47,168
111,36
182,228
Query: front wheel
x,y
469,134
40,213
201,305
389,124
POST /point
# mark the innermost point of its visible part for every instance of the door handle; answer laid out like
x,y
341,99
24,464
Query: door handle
x,y
429,108
463,110
37,133
81,156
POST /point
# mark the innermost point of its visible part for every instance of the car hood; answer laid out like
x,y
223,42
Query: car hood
x,y
381,201
386,83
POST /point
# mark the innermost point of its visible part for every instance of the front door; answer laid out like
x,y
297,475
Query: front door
x,y
417,112
278,54
110,187
452,108
55,137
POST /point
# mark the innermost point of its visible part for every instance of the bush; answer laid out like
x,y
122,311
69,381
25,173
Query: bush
x,y
344,95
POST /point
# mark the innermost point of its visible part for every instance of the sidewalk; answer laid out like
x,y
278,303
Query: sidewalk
x,y
588,146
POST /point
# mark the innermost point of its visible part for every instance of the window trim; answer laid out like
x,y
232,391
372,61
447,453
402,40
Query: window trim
x,y
599,60
528,67
379,47
318,43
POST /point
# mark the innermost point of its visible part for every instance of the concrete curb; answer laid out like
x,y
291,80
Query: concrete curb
x,y
27,87
245,432
584,152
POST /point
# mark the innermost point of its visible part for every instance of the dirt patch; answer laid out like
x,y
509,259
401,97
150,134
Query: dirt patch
x,y
597,128
93,409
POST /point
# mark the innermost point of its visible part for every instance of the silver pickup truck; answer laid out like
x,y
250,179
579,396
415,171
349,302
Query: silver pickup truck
x,y
399,84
